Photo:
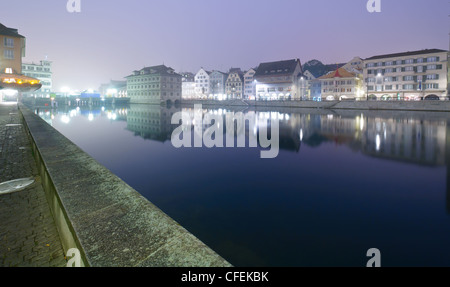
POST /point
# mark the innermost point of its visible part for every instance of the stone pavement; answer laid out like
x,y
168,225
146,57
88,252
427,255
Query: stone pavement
x,y
28,234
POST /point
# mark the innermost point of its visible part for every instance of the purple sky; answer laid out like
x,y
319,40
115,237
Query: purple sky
x,y
111,38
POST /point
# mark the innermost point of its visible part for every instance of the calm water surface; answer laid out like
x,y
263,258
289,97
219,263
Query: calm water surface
x,y
343,182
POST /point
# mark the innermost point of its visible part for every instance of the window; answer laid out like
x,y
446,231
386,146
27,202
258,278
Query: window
x,y
433,77
409,61
9,42
9,54
431,86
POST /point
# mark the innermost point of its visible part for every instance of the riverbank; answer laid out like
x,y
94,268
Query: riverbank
x,y
109,222
28,234
431,106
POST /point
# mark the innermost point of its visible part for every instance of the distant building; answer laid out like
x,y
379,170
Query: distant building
x,y
217,80
12,49
249,84
115,89
42,72
407,76
311,84
278,80
154,85
234,87
347,85
202,84
355,65
342,85
187,85
187,77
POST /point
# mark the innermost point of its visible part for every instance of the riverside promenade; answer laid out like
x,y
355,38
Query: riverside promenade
x,y
28,234
75,203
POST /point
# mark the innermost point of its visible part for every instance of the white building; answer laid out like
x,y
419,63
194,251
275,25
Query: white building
x,y
407,76
279,80
249,84
187,85
234,87
202,84
42,72
342,85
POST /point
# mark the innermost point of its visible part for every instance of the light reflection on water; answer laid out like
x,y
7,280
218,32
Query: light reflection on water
x,y
343,182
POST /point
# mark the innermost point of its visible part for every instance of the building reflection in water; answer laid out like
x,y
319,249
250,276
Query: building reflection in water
x,y
415,138
151,121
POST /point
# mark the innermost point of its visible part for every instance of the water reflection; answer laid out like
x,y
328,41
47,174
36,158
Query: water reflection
x,y
344,181
418,138
151,122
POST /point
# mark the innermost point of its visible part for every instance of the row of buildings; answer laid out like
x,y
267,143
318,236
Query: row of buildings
x,y
415,75
409,76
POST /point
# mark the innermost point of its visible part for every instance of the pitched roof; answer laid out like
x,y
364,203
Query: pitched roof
x,y
339,73
161,70
405,54
9,31
277,68
235,70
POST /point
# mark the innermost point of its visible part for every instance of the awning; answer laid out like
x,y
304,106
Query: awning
x,y
19,82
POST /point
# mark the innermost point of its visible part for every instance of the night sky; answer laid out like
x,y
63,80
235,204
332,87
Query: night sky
x,y
109,39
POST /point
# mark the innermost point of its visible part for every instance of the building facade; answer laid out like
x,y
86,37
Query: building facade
x,y
42,72
234,87
417,75
12,49
315,90
278,80
202,84
218,81
154,85
342,85
249,84
187,85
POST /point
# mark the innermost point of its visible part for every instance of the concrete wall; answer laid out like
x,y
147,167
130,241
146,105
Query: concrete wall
x,y
107,220
441,106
